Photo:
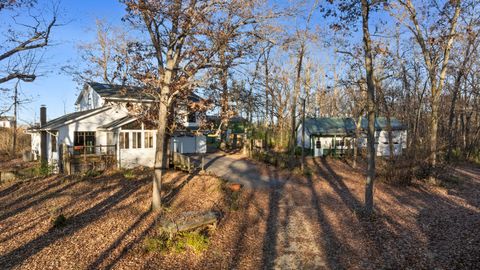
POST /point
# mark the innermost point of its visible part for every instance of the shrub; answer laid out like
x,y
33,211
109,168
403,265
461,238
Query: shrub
x,y
129,174
43,170
403,169
6,141
60,221
91,173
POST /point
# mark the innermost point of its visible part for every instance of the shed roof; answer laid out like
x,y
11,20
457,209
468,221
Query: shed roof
x,y
69,118
330,126
346,125
381,123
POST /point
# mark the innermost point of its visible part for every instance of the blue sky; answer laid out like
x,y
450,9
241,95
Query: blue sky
x,y
56,89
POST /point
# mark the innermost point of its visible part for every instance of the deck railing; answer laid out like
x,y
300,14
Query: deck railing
x,y
81,158
182,162
85,150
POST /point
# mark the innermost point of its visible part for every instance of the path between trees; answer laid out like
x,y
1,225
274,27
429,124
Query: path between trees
x,y
292,241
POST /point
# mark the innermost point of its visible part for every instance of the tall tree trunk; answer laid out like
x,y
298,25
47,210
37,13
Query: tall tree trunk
x,y
358,126
224,112
161,148
370,108
296,93
160,155
267,93
435,103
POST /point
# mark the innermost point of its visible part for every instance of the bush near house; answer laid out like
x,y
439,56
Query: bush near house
x,y
6,141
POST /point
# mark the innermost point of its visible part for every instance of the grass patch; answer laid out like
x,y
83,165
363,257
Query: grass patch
x,y
197,242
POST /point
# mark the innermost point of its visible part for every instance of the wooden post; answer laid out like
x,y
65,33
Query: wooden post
x,y
303,136
203,163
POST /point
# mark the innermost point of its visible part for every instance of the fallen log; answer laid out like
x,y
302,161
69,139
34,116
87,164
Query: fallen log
x,y
190,221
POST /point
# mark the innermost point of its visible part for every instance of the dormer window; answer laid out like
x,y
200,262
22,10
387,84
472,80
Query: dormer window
x,y
191,117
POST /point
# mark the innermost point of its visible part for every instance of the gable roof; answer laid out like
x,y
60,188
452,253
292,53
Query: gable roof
x,y
118,122
69,118
123,92
6,118
346,125
381,123
329,126
109,91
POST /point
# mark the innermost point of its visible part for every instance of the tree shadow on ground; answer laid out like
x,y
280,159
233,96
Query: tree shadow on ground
x,y
75,223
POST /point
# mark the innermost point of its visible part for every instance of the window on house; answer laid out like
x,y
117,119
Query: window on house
x,y
318,144
191,117
53,141
124,140
148,139
85,140
136,139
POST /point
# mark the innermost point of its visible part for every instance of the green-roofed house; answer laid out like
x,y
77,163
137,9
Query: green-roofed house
x,y
336,135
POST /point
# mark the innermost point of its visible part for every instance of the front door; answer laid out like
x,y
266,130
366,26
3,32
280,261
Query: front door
x,y
318,151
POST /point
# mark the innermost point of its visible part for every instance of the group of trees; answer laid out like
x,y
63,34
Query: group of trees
x,y
413,60
23,41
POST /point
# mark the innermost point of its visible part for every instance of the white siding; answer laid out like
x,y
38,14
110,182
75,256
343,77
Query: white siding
x,y
188,145
299,137
381,142
6,123
35,141
133,157
89,100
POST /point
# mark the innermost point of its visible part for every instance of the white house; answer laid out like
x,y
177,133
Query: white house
x,y
336,135
6,121
103,124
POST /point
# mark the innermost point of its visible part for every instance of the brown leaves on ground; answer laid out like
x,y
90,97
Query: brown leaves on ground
x,y
304,222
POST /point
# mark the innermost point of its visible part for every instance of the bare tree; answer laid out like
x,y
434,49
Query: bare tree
x,y
435,48
182,36
18,58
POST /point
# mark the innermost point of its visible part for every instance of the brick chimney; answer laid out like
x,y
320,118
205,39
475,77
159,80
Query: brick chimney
x,y
43,115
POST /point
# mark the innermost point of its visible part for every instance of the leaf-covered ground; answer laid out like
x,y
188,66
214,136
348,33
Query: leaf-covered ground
x,y
301,223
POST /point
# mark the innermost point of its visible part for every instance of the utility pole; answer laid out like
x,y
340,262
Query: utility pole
x,y
303,134
15,109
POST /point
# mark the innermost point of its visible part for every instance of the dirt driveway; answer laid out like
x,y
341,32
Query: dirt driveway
x,y
296,222
236,168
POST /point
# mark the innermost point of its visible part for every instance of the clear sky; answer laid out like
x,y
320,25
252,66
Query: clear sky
x,y
54,88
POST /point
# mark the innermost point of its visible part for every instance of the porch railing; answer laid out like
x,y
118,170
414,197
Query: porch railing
x,y
81,158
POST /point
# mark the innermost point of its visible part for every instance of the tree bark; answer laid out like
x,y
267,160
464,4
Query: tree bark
x,y
370,108
296,93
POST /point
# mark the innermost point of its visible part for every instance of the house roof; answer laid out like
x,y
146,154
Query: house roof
x,y
119,91
124,92
6,118
381,123
329,126
345,125
118,122
69,118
